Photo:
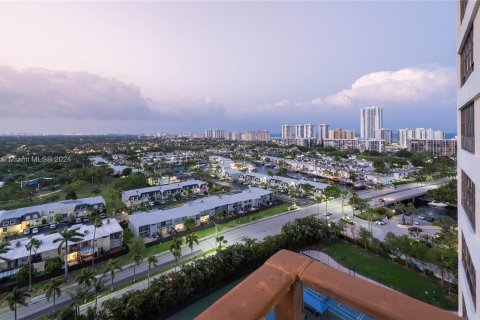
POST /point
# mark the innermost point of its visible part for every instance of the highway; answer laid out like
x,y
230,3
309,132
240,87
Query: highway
x,y
259,229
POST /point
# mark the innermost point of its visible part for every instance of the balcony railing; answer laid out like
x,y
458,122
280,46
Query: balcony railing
x,y
278,285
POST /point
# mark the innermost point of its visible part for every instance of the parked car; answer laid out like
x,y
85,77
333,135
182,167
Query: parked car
x,y
26,231
381,200
327,214
151,203
415,229
103,216
35,230
78,220
380,223
430,219
422,217
85,219
53,226
416,223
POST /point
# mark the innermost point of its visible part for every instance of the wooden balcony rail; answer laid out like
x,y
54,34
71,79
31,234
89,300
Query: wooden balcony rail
x,y
279,284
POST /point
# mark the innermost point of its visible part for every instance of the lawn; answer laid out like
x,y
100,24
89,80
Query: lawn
x,y
390,274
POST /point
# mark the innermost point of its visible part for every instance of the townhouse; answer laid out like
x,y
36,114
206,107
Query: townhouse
x,y
137,196
20,219
108,239
162,222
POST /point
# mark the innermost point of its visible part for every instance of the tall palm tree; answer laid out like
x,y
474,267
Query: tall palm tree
x,y
53,289
191,239
137,248
319,199
110,267
176,249
66,236
17,297
152,262
401,207
32,245
78,297
4,248
86,278
98,286
97,223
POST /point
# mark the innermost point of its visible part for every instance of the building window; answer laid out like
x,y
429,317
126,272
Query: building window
x,y
468,198
470,271
466,57
467,128
463,7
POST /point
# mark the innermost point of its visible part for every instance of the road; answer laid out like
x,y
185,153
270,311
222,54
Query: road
x,y
38,306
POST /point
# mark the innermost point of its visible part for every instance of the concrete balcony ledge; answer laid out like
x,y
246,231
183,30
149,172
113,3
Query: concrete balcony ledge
x,y
278,284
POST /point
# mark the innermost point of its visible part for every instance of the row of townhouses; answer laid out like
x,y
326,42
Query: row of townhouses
x,y
108,239
20,219
137,196
282,182
162,222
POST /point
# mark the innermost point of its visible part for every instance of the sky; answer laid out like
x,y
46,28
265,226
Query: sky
x,y
182,67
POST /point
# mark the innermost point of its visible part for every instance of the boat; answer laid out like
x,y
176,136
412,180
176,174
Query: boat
x,y
437,204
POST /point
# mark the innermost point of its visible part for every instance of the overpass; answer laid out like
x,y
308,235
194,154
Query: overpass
x,y
392,196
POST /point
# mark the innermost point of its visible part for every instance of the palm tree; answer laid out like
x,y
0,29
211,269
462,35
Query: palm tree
x,y
53,289
78,298
17,297
137,248
189,223
191,239
86,278
319,199
330,192
110,267
97,223
221,242
33,244
152,262
98,286
176,249
4,248
66,236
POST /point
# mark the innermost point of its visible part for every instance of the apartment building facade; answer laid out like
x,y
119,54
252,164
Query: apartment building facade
x,y
371,119
468,126
17,220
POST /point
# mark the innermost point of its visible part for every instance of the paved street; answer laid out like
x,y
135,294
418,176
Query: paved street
x,y
259,230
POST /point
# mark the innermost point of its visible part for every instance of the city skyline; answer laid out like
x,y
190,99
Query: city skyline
x,y
181,67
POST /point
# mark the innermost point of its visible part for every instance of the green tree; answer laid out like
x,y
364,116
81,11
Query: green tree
x,y
86,278
189,223
78,296
330,192
52,265
66,236
176,249
365,236
412,209
4,248
391,243
221,242
98,286
152,262
353,196
400,207
137,249
16,298
53,289
343,195
191,239
319,199
111,267
32,245
71,195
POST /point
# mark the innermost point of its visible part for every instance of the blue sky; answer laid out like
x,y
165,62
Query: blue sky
x,y
183,67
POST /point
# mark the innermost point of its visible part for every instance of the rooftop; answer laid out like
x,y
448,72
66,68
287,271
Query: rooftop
x,y
194,207
67,204
173,186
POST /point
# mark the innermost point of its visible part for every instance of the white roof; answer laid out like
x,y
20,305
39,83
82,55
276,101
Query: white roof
x,y
173,186
18,251
194,207
314,184
67,204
